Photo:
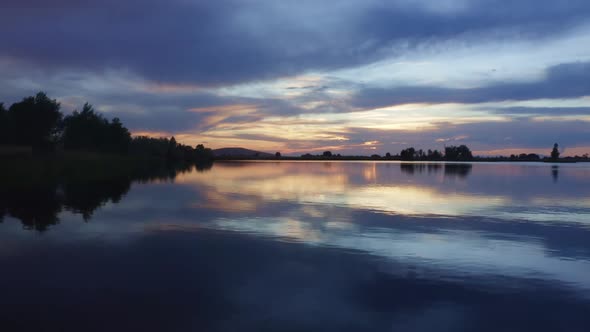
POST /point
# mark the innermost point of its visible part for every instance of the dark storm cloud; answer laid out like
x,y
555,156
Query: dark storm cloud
x,y
530,17
228,41
562,81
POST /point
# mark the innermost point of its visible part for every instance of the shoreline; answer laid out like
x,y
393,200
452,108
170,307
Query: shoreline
x,y
362,158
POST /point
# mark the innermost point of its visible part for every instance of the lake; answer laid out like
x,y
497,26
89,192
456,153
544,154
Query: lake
x,y
302,246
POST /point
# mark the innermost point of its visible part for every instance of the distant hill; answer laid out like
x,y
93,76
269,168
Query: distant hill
x,y
240,153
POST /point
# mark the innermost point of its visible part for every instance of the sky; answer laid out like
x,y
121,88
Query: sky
x,y
354,77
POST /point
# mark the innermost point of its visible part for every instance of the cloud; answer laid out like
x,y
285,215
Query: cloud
x,y
549,111
524,133
229,41
568,80
312,74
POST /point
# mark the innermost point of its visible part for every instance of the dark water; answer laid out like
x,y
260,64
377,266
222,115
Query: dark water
x,y
302,246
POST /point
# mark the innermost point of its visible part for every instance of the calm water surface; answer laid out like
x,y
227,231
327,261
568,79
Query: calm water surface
x,y
303,246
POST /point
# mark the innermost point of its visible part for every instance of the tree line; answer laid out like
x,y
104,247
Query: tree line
x,y
451,153
37,122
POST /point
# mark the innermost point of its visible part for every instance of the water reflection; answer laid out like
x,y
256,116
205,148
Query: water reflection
x,y
411,168
450,169
37,202
421,189
459,170
331,207
308,246
216,281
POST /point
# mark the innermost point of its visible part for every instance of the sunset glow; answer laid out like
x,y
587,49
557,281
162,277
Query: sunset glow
x,y
304,77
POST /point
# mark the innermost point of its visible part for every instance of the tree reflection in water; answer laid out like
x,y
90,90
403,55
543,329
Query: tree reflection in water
x,y
450,170
36,198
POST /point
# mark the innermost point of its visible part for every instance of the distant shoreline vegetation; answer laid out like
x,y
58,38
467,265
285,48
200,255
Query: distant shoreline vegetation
x,y
460,153
36,126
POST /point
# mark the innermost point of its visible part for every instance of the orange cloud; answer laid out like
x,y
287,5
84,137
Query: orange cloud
x,y
154,134
219,113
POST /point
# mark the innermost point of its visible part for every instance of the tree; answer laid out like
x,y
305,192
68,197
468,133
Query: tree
x,y
83,130
460,152
4,125
408,154
388,155
434,155
174,150
89,130
327,154
203,153
36,121
555,152
168,149
149,147
278,155
118,137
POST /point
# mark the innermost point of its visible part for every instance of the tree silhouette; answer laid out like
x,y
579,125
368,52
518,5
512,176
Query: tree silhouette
x,y
203,153
434,155
89,130
278,155
4,125
408,154
35,121
149,147
118,137
174,150
327,154
555,152
460,152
